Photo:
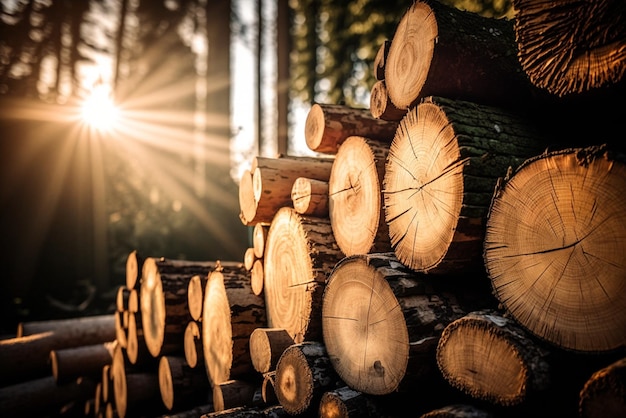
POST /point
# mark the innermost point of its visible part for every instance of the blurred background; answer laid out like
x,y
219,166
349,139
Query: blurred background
x,y
126,124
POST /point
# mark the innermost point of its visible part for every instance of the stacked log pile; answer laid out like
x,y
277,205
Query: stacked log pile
x,y
444,254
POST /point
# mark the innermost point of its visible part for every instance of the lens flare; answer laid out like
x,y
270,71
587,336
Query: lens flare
x,y
99,110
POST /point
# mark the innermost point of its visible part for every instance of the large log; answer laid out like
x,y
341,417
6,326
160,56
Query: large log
x,y
163,300
492,358
303,373
381,322
604,393
181,386
69,364
441,170
230,314
440,50
554,248
300,253
328,125
571,47
355,205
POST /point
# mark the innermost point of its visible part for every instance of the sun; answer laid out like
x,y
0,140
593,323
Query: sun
x,y
99,110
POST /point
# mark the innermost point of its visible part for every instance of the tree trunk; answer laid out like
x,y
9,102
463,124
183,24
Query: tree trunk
x,y
381,322
355,198
233,394
555,244
300,252
604,394
303,373
440,50
310,197
266,347
163,299
328,125
194,353
181,386
441,170
84,361
230,314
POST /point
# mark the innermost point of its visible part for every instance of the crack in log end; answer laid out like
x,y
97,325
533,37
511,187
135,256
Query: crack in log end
x,y
378,368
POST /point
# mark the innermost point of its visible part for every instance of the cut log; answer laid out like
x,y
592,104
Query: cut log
x,y
355,197
43,397
457,411
380,59
381,322
303,373
121,327
195,295
136,348
441,170
268,388
381,105
163,299
300,252
230,314
134,264
247,204
259,236
266,347
194,353
492,358
133,301
68,364
236,412
257,277
345,402
249,258
121,298
440,50
310,197
77,331
181,386
569,47
328,125
233,394
555,244
604,394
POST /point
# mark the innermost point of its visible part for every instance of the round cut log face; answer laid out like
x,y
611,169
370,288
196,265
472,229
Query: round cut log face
x,y
422,189
166,385
364,329
152,302
217,334
555,246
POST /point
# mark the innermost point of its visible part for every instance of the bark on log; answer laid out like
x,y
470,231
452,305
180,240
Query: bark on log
x,y
441,170
381,322
163,299
604,394
381,105
457,411
345,402
259,236
303,373
571,47
194,353
300,252
181,386
266,347
310,197
195,295
69,364
42,396
554,248
230,314
195,412
236,412
492,358
355,204
257,277
134,264
439,50
233,394
328,125
79,331
268,388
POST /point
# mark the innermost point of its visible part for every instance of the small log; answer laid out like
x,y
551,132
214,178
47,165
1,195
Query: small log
x,y
310,197
247,204
355,204
233,394
121,327
300,252
134,264
604,393
98,402
43,397
68,364
259,236
133,301
136,348
441,171
492,358
121,298
181,386
230,314
381,322
345,402
380,59
381,105
303,373
106,383
194,354
195,295
457,411
266,347
328,125
257,277
554,245
268,388
249,258
163,299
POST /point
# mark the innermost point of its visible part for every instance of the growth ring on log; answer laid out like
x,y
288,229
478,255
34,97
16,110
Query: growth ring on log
x,y
555,244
